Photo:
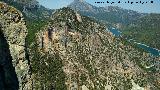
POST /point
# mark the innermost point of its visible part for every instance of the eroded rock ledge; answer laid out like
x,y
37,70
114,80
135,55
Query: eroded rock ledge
x,y
14,30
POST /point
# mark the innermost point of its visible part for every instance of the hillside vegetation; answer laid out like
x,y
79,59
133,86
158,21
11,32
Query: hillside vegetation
x,y
86,55
145,30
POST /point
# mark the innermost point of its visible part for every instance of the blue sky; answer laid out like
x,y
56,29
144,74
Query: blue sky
x,y
145,8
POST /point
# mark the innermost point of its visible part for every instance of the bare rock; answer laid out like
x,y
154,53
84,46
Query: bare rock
x,y
14,30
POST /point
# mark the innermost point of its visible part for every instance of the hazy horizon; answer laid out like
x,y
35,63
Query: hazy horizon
x,y
143,8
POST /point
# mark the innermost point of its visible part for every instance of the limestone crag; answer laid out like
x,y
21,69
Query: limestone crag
x,y
70,52
14,30
92,57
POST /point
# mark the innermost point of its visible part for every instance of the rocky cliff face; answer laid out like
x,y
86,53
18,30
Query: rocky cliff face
x,y
30,8
13,32
71,52
81,54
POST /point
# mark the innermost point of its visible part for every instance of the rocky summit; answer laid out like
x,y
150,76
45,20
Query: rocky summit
x,y
70,52
81,54
111,15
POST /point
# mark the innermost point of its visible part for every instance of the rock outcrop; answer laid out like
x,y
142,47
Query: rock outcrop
x,y
31,9
13,30
92,58
72,52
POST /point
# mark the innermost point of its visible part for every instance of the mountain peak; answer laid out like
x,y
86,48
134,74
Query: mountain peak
x,y
81,5
79,0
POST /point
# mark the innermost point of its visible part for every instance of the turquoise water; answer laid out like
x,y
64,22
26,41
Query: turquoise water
x,y
153,51
115,32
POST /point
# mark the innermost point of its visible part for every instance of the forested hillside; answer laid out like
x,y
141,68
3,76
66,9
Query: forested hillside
x,y
145,30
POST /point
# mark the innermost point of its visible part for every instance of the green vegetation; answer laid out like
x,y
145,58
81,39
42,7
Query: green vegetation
x,y
33,27
110,15
94,54
33,13
16,5
145,30
127,43
47,70
34,24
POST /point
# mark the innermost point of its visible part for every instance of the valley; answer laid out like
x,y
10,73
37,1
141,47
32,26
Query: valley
x,y
78,47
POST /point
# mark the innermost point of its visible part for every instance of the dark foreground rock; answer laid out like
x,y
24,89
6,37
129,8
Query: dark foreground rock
x,y
14,73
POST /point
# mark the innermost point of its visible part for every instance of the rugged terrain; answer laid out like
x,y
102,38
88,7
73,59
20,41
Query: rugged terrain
x,y
133,24
110,15
145,29
88,56
70,51
31,9
13,63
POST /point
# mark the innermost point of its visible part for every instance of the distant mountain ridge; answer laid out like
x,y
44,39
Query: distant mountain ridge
x,y
110,14
141,26
81,5
70,51
30,8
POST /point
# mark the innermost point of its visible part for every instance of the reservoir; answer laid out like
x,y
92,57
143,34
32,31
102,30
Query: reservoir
x,y
153,51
